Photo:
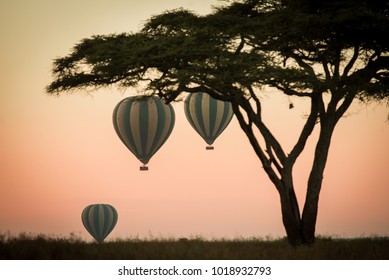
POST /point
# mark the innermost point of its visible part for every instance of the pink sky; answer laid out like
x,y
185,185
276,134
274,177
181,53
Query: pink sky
x,y
58,155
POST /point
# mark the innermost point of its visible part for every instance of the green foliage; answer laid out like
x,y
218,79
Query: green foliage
x,y
242,44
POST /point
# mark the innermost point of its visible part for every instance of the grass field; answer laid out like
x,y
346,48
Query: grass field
x,y
29,247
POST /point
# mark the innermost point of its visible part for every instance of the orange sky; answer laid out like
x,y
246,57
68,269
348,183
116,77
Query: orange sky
x,y
60,154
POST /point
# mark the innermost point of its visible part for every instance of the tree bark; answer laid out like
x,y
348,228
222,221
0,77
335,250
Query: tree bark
x,y
310,211
291,216
301,230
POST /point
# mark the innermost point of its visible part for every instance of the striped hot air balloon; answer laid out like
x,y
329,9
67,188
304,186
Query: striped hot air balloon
x,y
99,220
207,115
143,123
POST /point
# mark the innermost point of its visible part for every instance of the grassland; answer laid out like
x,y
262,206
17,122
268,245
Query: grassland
x,y
30,247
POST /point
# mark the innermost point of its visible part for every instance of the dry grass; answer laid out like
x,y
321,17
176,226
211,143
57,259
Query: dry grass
x,y
41,247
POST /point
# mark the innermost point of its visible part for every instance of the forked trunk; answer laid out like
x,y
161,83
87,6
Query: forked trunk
x,y
299,231
302,230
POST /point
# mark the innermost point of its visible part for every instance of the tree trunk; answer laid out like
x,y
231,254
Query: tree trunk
x,y
310,211
301,230
291,217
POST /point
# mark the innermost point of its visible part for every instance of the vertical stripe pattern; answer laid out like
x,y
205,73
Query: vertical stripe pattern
x,y
207,115
143,124
99,220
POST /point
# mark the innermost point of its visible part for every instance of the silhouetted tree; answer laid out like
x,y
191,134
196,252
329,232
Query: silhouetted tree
x,y
302,48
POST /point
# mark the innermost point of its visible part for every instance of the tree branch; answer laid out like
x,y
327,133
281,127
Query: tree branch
x,y
211,91
326,71
241,45
336,59
271,141
291,92
344,106
268,136
300,61
351,62
305,133
266,163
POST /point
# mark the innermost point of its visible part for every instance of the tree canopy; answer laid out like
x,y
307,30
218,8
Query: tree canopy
x,y
249,43
302,48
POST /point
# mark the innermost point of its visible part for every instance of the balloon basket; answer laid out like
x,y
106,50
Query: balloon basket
x,y
209,148
144,168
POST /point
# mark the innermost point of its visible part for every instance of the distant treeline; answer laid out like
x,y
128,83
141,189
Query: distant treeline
x,y
29,247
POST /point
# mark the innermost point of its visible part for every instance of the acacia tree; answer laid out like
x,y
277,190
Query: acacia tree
x,y
306,49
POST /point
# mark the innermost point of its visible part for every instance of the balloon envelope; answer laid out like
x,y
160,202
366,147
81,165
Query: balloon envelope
x,y
143,124
207,115
99,220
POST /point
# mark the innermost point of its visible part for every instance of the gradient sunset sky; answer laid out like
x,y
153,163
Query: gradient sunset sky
x,y
60,154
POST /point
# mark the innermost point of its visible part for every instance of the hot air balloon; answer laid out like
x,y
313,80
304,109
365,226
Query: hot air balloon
x,y
143,124
207,115
99,220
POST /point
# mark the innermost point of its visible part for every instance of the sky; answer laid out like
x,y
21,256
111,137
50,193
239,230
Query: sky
x,y
60,154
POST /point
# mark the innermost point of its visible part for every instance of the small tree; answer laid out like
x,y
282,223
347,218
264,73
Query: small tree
x,y
306,49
